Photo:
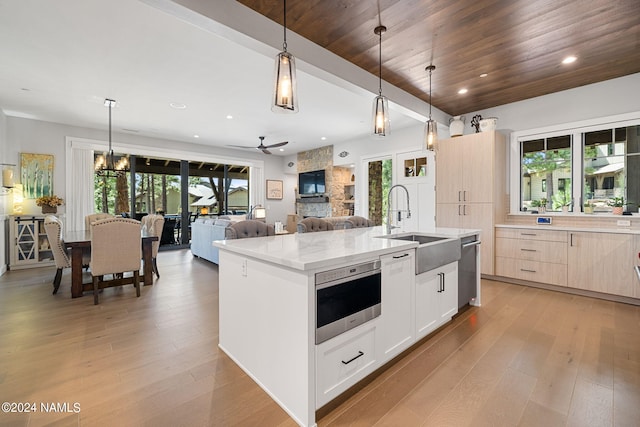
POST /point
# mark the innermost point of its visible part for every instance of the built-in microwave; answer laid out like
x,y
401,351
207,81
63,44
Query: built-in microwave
x,y
347,297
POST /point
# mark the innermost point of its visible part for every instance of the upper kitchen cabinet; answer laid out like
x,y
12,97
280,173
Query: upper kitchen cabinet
x,y
471,188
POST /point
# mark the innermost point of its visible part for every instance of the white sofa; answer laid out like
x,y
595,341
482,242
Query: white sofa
x,y
204,231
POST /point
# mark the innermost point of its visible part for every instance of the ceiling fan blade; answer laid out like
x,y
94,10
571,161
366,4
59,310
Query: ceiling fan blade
x,y
265,151
241,146
280,144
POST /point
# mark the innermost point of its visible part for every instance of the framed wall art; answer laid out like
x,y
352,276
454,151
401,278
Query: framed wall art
x,y
274,189
36,175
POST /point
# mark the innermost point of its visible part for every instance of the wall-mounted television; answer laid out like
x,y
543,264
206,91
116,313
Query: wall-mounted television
x,y
311,183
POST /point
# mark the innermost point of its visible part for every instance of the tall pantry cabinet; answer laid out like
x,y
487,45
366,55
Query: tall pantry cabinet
x,y
471,187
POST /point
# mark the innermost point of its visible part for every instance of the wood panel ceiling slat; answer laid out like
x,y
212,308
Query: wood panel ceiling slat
x,y
520,43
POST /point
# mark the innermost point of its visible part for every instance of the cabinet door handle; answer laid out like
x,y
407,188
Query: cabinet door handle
x,y
528,271
443,281
459,196
464,209
528,250
570,239
464,196
400,256
360,354
459,214
440,280
528,234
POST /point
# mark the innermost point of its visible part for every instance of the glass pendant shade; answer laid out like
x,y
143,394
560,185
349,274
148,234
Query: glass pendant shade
x,y
285,98
380,119
431,135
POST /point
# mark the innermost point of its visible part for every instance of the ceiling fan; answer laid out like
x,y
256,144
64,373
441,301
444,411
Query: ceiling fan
x,y
262,147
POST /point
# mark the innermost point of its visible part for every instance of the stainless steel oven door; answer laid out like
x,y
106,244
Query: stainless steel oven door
x,y
347,297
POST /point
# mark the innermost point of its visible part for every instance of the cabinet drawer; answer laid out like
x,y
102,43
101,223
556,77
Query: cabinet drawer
x,y
532,250
343,361
532,234
534,271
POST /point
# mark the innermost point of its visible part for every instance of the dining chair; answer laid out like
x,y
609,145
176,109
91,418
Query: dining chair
x,y
248,228
116,248
95,217
154,224
358,222
53,228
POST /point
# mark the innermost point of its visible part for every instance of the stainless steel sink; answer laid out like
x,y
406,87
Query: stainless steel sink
x,y
432,251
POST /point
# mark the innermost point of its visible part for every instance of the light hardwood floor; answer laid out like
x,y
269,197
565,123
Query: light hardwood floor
x,y
527,357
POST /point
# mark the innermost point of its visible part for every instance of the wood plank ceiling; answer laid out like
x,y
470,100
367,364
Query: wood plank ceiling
x,y
519,43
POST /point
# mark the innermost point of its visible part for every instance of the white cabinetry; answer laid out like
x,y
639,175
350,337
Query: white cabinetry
x,y
470,187
344,360
530,254
28,243
436,298
396,320
603,262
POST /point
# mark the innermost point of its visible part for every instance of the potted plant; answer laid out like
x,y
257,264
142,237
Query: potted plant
x,y
617,203
588,207
49,204
562,200
543,205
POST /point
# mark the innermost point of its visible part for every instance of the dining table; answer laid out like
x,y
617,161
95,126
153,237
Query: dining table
x,y
80,241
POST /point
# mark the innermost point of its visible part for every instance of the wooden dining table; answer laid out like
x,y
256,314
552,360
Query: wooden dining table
x,y
79,241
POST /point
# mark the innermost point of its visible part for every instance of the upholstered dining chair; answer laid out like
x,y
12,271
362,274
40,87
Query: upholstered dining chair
x,y
249,228
154,225
358,222
53,228
116,248
95,217
309,225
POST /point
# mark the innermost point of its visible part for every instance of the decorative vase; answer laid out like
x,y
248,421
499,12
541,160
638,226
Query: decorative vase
x,y
488,124
617,210
565,209
456,126
588,209
46,209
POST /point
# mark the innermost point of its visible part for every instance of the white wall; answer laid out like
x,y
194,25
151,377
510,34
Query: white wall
x,y
608,98
32,136
4,197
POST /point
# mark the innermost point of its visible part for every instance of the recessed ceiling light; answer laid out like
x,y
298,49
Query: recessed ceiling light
x,y
463,91
282,149
229,116
324,138
177,105
569,60
483,75
196,136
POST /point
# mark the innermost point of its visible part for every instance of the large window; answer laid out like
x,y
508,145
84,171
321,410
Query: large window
x,y
594,166
545,179
611,163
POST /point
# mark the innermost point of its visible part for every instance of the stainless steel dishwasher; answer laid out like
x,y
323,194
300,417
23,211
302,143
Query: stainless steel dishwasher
x,y
467,270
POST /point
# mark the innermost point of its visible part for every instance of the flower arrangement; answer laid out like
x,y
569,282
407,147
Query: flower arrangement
x,y
53,201
616,202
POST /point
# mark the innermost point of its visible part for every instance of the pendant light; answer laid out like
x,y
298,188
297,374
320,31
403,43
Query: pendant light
x,y
431,127
381,125
285,94
108,166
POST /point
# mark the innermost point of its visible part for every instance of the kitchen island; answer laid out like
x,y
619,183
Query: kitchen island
x,y
267,303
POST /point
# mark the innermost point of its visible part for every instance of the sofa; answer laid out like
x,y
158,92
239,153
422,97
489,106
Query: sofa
x,y
204,231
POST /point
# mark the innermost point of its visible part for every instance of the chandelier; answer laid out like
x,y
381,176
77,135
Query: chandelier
x,y
110,165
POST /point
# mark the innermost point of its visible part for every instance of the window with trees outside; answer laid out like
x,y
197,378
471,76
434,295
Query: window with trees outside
x,y
596,167
546,173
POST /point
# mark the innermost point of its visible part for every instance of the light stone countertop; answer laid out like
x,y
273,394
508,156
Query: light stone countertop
x,y
308,251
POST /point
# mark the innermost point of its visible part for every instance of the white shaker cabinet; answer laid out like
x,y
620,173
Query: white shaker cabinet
x,y
471,190
396,320
436,300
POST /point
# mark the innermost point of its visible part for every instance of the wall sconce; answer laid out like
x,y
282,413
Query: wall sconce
x,y
8,175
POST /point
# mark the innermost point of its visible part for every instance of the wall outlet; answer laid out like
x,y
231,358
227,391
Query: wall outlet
x,y
623,223
244,268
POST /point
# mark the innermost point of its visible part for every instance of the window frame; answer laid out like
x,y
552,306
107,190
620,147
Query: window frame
x,y
576,129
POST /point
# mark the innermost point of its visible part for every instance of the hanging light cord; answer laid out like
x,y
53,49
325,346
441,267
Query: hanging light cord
x,y
380,61
284,44
430,70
